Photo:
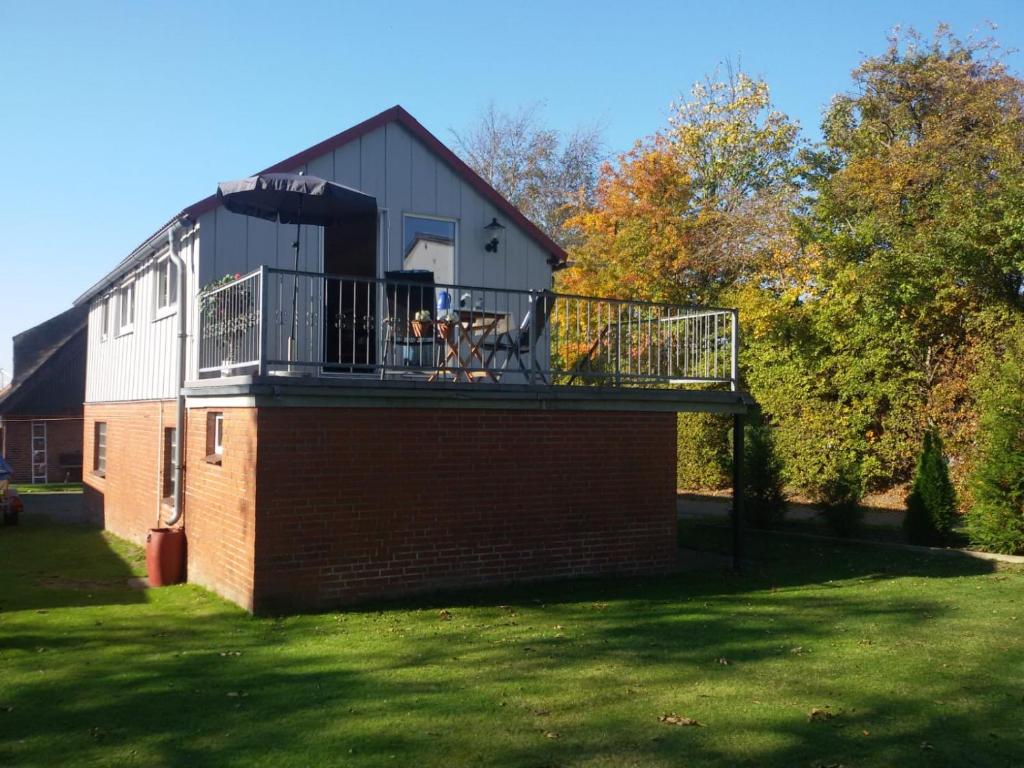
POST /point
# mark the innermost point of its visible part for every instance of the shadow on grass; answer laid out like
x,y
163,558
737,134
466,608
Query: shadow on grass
x,y
46,566
487,677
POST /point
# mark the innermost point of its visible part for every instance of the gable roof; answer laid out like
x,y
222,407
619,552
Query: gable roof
x,y
47,364
398,115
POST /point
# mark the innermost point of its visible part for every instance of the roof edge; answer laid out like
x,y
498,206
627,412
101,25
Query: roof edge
x,y
397,114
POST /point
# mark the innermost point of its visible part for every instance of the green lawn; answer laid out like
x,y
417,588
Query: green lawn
x,y
911,661
27,489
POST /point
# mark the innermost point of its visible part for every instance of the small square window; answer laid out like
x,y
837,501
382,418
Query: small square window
x,y
99,448
214,436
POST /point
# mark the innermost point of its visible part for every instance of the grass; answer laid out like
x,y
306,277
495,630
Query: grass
x,y
27,489
910,660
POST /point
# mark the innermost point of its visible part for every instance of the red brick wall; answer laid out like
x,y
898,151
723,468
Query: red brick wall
x,y
63,436
125,501
362,503
220,506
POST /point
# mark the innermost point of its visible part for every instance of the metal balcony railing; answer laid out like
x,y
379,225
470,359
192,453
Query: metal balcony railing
x,y
385,329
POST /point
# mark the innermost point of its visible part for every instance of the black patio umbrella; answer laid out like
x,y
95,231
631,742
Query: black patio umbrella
x,y
294,198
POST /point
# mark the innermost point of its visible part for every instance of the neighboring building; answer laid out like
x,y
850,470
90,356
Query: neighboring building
x,y
331,469
41,411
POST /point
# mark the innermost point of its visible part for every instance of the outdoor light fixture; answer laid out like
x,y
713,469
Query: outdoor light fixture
x,y
493,232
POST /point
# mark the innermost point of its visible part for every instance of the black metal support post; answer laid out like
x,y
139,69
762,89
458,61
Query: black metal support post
x,y
737,492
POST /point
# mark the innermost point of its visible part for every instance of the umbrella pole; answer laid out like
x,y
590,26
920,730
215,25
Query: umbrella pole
x,y
295,295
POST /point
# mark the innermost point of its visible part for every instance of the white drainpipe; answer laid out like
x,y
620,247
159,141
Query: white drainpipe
x,y
179,420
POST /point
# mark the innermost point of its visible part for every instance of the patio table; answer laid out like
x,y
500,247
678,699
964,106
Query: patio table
x,y
475,327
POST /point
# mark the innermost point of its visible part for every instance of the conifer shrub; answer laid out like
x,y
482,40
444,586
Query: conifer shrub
x,y
764,501
931,505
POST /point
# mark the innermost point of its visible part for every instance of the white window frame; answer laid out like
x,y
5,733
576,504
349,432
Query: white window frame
x,y
163,306
126,290
105,318
218,434
99,449
432,217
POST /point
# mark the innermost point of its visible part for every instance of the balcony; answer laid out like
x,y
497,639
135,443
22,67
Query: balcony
x,y
387,330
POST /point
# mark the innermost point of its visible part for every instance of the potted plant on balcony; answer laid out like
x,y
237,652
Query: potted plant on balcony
x,y
422,325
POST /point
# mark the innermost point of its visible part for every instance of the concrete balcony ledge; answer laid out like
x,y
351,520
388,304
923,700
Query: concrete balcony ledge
x,y
365,392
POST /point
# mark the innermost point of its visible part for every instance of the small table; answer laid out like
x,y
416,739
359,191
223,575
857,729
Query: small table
x,y
475,326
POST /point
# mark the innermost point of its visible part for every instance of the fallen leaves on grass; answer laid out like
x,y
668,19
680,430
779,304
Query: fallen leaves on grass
x,y
674,719
237,694
551,734
820,714
444,614
724,661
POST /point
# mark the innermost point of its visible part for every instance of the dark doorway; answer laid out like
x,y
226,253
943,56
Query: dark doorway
x,y
350,295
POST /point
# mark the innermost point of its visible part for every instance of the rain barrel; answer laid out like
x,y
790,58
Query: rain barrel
x,y
165,556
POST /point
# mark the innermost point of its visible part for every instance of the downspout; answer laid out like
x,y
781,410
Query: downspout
x,y
179,416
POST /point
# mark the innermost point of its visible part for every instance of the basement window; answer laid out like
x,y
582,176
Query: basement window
x,y
99,449
170,476
214,437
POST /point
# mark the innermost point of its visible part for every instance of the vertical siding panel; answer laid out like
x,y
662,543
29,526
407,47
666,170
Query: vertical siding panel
x,y
398,174
423,180
346,165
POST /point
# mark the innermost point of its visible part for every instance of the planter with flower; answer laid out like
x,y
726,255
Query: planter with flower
x,y
422,325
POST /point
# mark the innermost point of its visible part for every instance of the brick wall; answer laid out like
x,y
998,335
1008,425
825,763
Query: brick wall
x,y
362,503
63,437
220,506
125,501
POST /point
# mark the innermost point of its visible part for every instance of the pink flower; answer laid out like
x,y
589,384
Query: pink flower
x,y
237,275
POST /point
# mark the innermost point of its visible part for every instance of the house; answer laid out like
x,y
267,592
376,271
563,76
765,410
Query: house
x,y
41,411
278,416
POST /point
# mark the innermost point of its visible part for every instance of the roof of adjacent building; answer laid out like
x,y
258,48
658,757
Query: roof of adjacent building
x,y
395,114
49,367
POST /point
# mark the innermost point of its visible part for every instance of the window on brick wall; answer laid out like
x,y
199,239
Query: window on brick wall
x,y
214,436
170,476
99,448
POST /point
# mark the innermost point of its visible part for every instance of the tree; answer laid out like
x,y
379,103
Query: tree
x,y
764,501
995,522
690,211
541,172
931,505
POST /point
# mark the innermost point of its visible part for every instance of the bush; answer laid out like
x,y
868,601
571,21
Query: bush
x,y
996,520
702,455
840,499
931,505
764,501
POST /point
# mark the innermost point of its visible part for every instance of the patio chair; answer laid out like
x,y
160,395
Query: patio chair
x,y
516,343
412,292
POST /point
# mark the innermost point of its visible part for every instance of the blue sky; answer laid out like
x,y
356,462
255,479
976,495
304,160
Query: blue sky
x,y
115,115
